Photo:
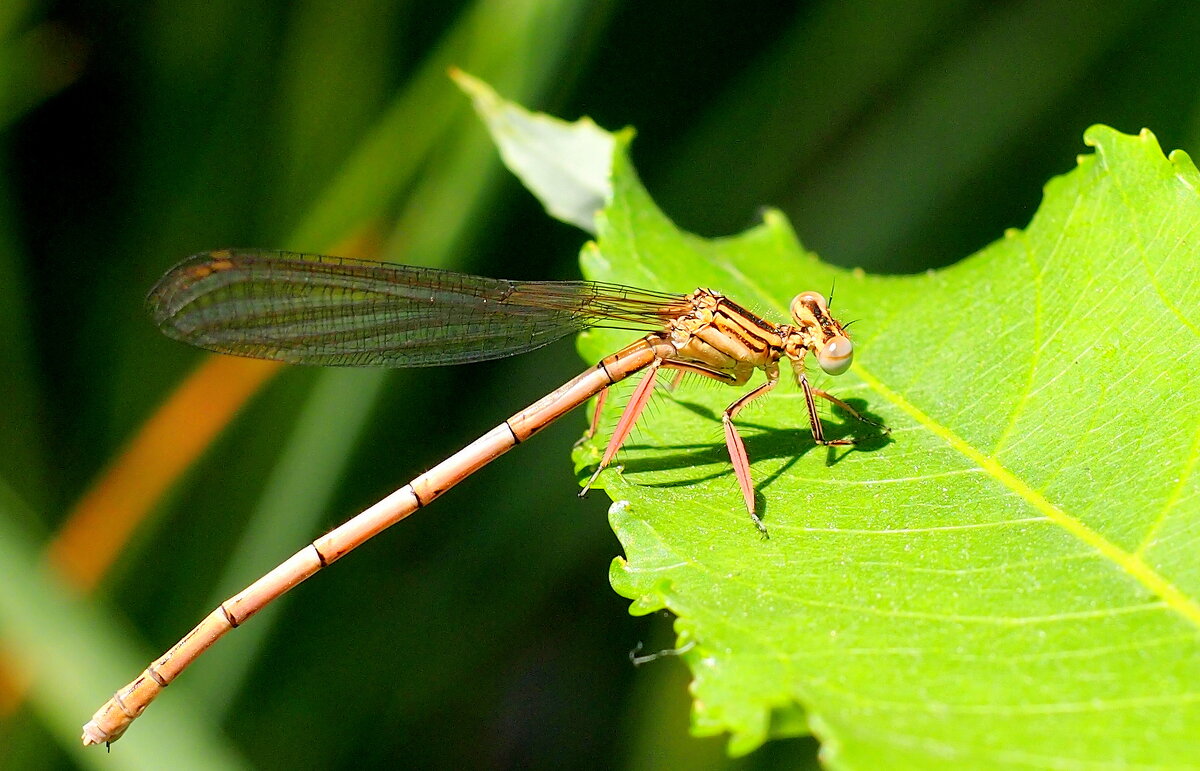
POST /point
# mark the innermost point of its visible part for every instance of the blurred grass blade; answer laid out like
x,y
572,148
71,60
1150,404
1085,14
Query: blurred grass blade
x,y
500,39
295,499
101,523
33,66
324,43
761,158
166,445
25,453
13,13
885,176
69,652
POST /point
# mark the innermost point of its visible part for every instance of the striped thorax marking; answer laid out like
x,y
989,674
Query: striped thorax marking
x,y
723,335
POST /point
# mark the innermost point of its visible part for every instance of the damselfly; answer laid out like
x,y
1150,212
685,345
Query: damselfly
x,y
313,309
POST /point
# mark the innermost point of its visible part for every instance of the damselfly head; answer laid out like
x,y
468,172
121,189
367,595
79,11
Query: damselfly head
x,y
808,309
827,338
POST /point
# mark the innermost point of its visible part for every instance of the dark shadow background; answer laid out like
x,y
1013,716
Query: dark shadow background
x,y
896,136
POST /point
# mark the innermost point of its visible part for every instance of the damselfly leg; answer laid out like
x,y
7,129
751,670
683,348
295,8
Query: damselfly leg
x,y
738,456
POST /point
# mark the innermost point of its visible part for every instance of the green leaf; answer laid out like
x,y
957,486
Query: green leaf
x,y
566,165
1008,580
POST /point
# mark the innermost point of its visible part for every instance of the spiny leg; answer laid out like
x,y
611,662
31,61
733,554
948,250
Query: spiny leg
x,y
733,440
682,368
641,396
815,419
737,448
853,412
595,425
637,402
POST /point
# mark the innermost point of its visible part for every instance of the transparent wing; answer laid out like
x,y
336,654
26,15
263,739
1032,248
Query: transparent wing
x,y
315,309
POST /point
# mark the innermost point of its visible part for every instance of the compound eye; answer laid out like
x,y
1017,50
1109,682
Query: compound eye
x,y
801,306
837,355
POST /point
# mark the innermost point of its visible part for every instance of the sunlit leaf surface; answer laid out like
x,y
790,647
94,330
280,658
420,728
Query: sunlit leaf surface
x,y
1011,578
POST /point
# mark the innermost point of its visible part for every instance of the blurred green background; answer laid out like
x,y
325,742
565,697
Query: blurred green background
x,y
897,136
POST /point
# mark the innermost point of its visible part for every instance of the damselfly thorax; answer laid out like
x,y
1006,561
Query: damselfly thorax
x,y
725,337
716,338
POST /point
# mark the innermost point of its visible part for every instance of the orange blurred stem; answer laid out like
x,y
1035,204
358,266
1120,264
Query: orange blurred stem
x,y
101,523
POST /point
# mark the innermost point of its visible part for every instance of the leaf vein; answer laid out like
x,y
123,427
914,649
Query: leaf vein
x,y
1174,499
910,530
1132,564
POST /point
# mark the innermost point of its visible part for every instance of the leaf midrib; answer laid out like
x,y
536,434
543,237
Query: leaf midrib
x,y
1171,595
